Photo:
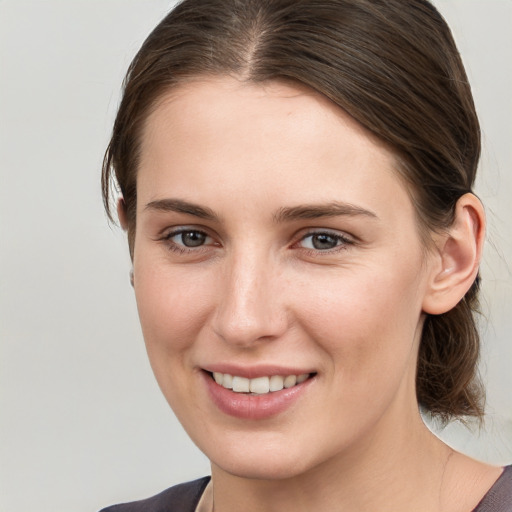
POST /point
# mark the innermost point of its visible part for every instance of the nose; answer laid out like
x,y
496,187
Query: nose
x,y
250,309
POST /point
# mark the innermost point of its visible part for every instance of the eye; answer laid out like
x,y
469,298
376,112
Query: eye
x,y
191,238
187,239
324,241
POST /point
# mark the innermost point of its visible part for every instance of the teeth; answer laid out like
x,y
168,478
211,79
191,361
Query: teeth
x,y
302,378
227,381
276,383
240,385
259,385
290,381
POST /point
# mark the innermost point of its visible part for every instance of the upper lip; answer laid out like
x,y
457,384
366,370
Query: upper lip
x,y
254,371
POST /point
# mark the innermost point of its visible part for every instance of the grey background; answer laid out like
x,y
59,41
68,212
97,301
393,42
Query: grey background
x,y
82,422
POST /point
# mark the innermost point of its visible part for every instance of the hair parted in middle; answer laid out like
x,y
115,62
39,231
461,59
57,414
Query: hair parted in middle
x,y
390,64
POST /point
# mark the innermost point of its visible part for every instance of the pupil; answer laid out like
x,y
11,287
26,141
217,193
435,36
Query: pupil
x,y
193,238
324,242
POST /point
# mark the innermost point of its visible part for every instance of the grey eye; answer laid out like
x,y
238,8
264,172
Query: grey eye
x,y
324,241
188,240
191,238
321,241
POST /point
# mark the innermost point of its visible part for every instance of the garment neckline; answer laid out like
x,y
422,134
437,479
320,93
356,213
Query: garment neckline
x,y
205,502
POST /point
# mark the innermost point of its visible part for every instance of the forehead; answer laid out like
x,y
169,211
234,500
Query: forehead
x,y
273,140
204,102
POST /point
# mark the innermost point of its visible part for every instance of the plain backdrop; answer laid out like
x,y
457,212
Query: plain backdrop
x,y
83,424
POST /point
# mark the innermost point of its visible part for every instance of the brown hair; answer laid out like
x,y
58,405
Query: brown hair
x,y
392,65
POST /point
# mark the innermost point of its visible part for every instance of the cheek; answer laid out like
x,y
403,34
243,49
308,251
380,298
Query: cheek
x,y
365,320
173,306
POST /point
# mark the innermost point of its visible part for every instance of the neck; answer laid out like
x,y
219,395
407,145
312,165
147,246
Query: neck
x,y
401,466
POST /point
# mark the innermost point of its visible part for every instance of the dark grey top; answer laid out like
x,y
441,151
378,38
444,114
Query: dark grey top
x,y
180,498
185,497
499,497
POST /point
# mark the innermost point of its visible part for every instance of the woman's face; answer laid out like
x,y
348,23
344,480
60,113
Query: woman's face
x,y
274,241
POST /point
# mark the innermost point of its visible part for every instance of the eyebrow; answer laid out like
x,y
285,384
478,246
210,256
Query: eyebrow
x,y
180,206
286,214
316,211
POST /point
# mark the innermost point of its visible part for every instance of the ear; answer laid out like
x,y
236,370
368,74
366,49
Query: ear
x,y
457,257
121,213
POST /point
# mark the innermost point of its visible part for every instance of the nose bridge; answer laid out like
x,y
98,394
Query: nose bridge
x,y
249,308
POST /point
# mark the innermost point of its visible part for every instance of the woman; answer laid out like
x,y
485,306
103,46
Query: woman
x,y
295,183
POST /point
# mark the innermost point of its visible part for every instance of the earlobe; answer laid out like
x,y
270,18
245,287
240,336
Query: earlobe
x,y
121,213
458,257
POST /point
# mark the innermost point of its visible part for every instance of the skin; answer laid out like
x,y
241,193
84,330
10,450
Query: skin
x,y
258,291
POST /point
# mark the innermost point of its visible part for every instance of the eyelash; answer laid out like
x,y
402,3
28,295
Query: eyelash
x,y
182,249
342,241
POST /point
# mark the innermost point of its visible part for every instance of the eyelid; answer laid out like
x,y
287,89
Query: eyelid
x,y
183,229
344,238
168,233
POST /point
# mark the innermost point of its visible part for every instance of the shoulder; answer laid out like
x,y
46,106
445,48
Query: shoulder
x,y
180,498
499,497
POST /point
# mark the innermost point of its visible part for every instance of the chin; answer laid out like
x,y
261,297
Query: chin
x,y
261,468
260,459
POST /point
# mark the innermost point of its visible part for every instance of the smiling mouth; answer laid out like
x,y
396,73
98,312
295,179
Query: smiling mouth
x,y
259,385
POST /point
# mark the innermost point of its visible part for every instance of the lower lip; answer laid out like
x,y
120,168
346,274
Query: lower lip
x,y
254,407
